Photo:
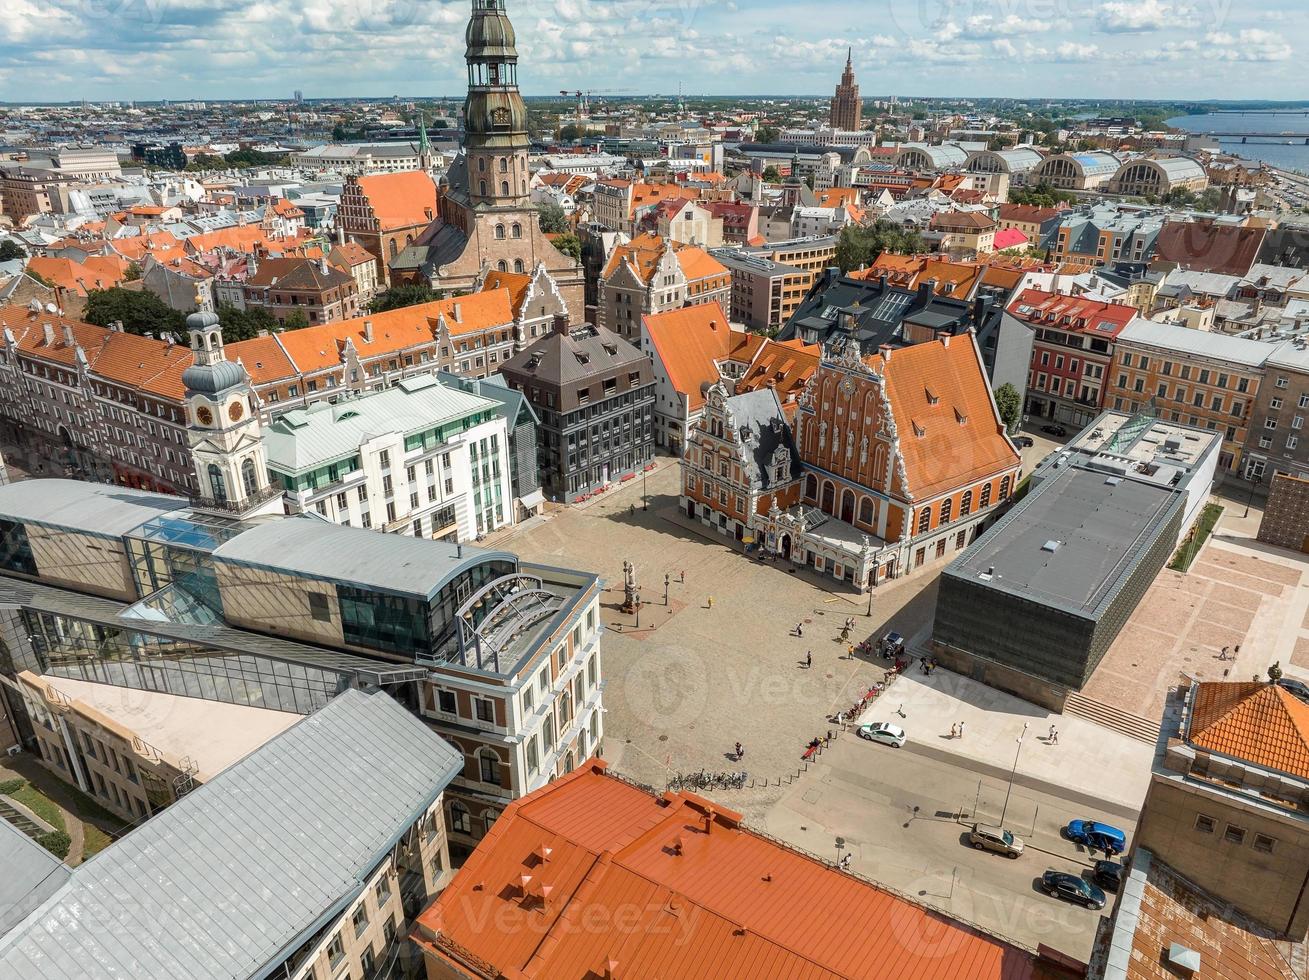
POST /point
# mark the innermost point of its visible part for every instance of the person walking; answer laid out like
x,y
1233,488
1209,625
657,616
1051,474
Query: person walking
x,y
900,711
740,752
954,731
1054,735
1050,737
808,659
681,577
799,629
961,729
711,602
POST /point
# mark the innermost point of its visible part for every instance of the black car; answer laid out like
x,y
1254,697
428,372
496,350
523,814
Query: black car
x,y
1107,874
1024,442
1073,889
1054,430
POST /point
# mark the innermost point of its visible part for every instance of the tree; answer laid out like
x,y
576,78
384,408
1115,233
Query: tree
x,y
339,134
552,219
408,294
133,272
766,134
295,320
10,249
571,132
140,312
859,246
1041,196
206,161
244,324
570,245
772,175
1010,405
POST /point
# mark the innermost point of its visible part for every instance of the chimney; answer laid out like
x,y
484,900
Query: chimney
x,y
116,326
713,325
457,312
885,351
925,290
49,330
981,307
368,331
709,820
68,336
881,283
340,234
560,324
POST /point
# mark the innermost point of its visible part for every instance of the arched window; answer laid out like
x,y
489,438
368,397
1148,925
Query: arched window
x,y
249,478
924,520
500,231
986,495
504,188
829,497
866,510
394,248
459,818
481,165
847,506
217,485
481,188
504,165
947,509
518,265
966,505
1004,488
517,230
502,265
810,487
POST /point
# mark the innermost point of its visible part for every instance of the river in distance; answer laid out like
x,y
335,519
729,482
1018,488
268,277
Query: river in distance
x,y
1276,153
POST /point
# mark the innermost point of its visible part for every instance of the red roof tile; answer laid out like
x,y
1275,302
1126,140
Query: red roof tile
x,y
1260,723
401,200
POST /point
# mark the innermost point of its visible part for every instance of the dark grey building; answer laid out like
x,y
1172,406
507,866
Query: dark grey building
x,y
594,394
1034,604
883,314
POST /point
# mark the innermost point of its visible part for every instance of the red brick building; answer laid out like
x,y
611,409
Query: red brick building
x,y
385,212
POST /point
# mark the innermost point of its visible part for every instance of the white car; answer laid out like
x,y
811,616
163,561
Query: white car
x,y
884,732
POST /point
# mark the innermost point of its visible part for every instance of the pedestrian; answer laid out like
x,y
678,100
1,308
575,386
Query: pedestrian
x,y
799,629
740,752
954,731
840,719
900,711
1222,654
1054,735
1237,651
681,576
829,737
961,729
845,861
632,511
850,651
1050,737
711,602
808,659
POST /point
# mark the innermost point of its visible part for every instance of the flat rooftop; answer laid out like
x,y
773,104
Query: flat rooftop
x,y
1071,540
96,508
212,734
1141,447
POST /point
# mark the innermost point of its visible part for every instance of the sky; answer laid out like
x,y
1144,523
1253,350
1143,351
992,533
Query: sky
x,y
56,50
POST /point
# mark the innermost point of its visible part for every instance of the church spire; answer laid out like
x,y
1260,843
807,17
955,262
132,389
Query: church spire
x,y
495,118
424,144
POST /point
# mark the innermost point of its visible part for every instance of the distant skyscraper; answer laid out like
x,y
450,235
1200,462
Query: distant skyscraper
x,y
299,96
847,110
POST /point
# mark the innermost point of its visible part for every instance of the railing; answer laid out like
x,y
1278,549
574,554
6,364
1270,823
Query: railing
x,y
236,507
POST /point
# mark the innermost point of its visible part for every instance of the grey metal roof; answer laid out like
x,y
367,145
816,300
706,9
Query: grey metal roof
x,y
762,427
1102,528
1016,161
1201,343
236,875
942,156
307,438
97,508
31,875
314,548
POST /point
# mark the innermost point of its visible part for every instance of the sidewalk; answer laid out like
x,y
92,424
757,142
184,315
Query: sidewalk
x,y
1091,762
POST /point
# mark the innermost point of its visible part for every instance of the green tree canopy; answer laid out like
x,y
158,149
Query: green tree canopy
x,y
1041,196
10,249
295,320
859,246
570,245
140,312
408,294
771,174
766,134
552,219
244,324
1010,405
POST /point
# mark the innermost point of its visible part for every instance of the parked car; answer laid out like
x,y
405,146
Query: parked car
x,y
884,732
1055,429
1024,442
891,645
1071,888
1107,874
985,837
1297,689
1097,836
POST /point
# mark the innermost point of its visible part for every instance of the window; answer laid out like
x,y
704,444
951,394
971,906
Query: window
x,y
533,758
1275,404
445,700
484,709
367,961
1282,381
459,821
986,495
359,919
335,950
966,504
1204,824
1292,441
1264,844
382,892
947,510
1297,422
548,733
1234,835
319,609
490,768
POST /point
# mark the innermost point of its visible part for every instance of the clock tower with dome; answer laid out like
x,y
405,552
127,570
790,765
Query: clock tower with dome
x,y
487,220
224,431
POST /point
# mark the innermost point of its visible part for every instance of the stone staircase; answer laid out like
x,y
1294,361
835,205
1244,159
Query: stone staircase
x,y
1115,719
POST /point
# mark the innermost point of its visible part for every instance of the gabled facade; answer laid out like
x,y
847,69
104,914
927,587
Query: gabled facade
x,y
650,275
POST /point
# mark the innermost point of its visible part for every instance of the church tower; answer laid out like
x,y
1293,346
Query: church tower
x,y
847,108
495,118
224,432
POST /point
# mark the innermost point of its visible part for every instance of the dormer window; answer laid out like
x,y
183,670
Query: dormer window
x,y
960,417
932,397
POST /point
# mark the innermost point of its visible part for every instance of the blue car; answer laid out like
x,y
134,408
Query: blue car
x,y
1097,836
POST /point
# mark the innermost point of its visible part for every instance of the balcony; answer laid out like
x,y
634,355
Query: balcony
x,y
236,507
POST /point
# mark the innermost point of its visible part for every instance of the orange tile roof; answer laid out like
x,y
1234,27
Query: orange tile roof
x,y
950,432
153,366
835,197
351,254
785,366
644,252
244,238
1260,723
97,272
401,200
696,263
263,358
518,283
644,194
1105,320
319,347
1173,911
136,248
691,342
591,876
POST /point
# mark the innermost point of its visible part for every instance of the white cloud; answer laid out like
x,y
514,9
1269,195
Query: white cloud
x,y
1137,16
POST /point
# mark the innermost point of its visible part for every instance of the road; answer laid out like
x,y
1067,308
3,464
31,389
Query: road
x,y
903,815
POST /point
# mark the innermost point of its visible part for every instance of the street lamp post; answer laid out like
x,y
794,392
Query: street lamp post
x,y
1254,483
645,492
666,578
1012,773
